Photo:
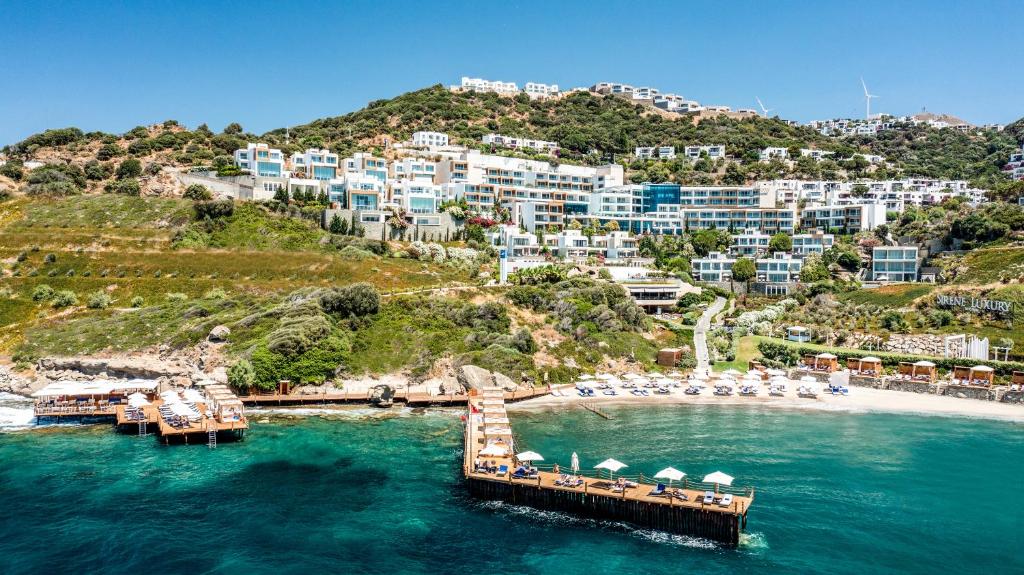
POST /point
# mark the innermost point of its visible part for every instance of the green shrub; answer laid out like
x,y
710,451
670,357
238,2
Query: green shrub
x,y
125,187
354,300
129,168
198,193
241,375
64,298
98,300
176,297
42,292
50,258
137,301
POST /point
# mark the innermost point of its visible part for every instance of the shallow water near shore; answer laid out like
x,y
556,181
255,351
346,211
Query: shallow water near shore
x,y
364,492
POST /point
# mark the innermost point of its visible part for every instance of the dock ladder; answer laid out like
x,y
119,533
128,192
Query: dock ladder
x,y
592,407
212,433
142,426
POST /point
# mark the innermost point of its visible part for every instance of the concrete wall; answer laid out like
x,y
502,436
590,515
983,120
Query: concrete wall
x,y
446,228
238,187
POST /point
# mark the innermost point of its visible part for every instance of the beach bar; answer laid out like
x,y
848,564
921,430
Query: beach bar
x,y
493,471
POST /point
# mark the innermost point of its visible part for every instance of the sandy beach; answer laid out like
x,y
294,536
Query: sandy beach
x,y
860,399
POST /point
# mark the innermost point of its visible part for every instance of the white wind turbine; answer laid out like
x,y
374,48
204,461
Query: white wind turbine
x,y
867,99
764,111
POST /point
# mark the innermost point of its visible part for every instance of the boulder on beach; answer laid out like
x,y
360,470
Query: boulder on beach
x,y
473,377
504,382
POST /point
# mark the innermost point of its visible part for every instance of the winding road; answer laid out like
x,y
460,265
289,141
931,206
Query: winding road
x,y
700,335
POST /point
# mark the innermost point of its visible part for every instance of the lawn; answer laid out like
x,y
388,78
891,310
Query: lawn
x,y
896,295
746,351
984,266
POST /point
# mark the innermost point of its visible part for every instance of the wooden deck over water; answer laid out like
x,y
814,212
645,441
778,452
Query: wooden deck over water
x,y
203,426
595,496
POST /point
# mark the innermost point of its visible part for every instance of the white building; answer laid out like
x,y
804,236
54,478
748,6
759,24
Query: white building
x,y
779,267
812,243
429,139
771,153
496,86
519,244
713,151
852,218
417,197
894,263
659,152
413,168
817,155
750,243
539,91
261,160
520,143
316,164
1014,169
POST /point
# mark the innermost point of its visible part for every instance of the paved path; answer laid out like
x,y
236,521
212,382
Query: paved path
x,y
700,335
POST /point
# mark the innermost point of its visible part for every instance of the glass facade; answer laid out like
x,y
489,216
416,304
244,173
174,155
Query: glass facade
x,y
655,195
268,169
324,172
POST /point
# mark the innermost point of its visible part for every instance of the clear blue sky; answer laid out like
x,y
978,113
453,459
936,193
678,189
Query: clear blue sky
x,y
112,65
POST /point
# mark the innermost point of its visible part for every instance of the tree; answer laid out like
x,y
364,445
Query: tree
x,y
712,240
242,375
335,226
356,300
233,128
743,270
129,168
813,269
281,195
780,242
611,226
859,190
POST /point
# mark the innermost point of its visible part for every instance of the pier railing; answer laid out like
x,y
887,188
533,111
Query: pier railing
x,y
685,483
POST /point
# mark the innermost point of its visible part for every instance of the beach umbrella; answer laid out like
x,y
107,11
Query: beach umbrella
x,y
776,371
670,473
808,379
529,456
732,372
137,400
494,450
605,376
611,465
575,463
718,478
586,376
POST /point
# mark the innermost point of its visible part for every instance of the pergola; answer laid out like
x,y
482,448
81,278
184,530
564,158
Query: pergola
x,y
864,365
981,375
822,362
920,370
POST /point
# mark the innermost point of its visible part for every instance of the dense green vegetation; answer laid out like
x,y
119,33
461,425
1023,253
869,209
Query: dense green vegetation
x,y
589,127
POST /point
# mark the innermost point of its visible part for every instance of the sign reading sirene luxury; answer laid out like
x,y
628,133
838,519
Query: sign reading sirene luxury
x,y
973,304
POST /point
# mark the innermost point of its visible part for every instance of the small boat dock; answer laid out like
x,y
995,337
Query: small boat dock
x,y
641,501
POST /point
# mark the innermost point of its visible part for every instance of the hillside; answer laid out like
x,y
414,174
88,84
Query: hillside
x,y
590,128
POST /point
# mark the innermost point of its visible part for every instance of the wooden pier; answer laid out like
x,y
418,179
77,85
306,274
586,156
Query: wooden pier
x,y
682,513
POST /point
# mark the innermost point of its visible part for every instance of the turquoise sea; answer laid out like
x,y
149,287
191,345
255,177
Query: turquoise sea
x,y
374,492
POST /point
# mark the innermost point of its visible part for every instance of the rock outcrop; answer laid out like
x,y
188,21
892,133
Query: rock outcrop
x,y
219,333
474,377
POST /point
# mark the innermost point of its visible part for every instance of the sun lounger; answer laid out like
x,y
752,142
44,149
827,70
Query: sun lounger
x,y
679,494
726,500
502,469
657,491
709,497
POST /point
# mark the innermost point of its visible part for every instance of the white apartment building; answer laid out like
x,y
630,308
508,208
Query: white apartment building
x,y
817,155
357,191
779,267
894,263
429,139
413,168
651,152
812,243
496,86
520,143
750,243
539,91
316,164
715,267
771,153
366,165
714,151
536,191
894,194
612,88
519,244
852,218
644,93
261,160
417,197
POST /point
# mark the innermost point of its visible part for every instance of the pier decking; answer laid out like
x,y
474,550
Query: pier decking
x,y
683,512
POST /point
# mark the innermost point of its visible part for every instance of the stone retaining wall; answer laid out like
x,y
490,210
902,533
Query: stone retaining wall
x,y
912,386
1012,397
969,392
865,381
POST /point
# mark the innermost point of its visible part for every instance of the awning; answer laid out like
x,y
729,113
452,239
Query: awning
x,y
74,388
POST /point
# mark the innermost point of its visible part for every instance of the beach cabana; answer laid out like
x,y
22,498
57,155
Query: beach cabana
x,y
1017,379
825,362
870,366
979,375
924,370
